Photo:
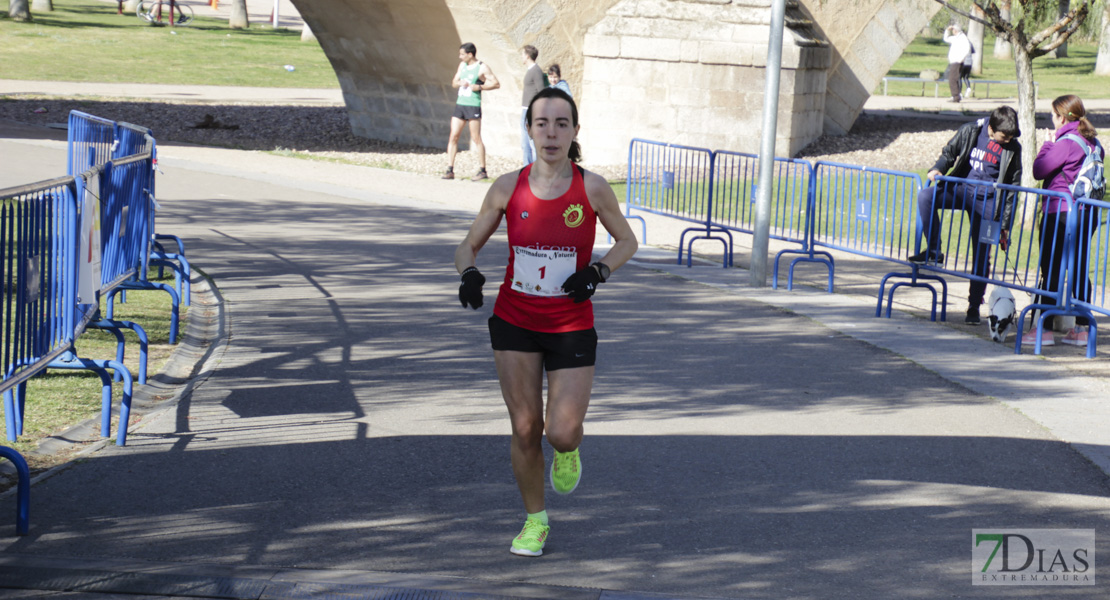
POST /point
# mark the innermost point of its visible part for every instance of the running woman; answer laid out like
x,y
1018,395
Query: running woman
x,y
543,318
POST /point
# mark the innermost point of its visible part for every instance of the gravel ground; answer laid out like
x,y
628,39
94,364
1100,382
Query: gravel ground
x,y
899,143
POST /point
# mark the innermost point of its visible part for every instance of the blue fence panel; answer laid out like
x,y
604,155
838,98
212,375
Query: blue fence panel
x,y
132,139
125,204
670,180
38,268
735,192
865,211
38,245
90,141
1097,244
675,181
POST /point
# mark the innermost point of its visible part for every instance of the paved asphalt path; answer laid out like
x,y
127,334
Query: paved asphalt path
x,y
347,426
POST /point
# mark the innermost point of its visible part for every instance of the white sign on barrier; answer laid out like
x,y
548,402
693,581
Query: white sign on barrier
x,y
88,262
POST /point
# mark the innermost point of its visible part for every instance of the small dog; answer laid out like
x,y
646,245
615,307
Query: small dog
x,y
1003,311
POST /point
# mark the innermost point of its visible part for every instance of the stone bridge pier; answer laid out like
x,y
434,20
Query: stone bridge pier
x,y
681,71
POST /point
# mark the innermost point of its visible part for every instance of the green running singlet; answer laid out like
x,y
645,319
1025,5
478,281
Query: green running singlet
x,y
468,97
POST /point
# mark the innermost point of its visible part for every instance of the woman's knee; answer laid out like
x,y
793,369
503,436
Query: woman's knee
x,y
528,431
564,437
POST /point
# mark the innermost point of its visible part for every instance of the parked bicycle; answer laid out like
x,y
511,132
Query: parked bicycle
x,y
156,12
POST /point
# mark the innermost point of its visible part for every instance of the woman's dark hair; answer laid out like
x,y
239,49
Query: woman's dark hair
x,y
1004,119
554,70
1070,108
469,48
575,153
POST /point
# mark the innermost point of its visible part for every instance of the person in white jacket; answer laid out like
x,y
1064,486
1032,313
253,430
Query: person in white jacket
x,y
959,48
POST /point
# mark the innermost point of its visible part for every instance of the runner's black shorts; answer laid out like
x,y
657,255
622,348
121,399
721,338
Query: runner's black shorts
x,y
468,113
566,350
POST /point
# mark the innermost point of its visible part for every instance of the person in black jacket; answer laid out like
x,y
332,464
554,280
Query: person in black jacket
x,y
985,150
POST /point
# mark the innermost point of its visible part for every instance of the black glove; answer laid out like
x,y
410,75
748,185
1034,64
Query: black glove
x,y
470,292
582,284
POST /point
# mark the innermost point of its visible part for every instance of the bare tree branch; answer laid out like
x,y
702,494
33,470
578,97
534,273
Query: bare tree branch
x,y
1065,27
962,13
993,18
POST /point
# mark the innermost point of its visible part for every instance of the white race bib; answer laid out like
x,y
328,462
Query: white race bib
x,y
465,92
542,272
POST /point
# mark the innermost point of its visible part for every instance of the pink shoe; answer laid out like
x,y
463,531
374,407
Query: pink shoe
x,y
1030,337
1076,337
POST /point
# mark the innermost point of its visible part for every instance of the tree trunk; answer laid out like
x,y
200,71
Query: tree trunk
x,y
975,34
1001,45
42,6
307,35
238,19
19,11
1027,112
1061,51
1102,63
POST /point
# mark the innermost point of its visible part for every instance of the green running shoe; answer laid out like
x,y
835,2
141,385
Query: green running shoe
x,y
566,471
531,539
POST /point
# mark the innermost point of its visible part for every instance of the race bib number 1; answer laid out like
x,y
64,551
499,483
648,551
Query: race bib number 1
x,y
542,272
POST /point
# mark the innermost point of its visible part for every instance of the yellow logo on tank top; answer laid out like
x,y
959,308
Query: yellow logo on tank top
x,y
574,215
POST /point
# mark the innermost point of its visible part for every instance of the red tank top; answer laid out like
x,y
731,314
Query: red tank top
x,y
549,240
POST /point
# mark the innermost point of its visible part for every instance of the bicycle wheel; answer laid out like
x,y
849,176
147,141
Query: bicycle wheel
x,y
145,10
184,14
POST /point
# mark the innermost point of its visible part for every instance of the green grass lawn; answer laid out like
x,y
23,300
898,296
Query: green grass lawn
x,y
85,40
1055,76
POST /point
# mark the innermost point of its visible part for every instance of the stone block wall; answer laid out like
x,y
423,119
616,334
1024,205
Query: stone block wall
x,y
681,71
867,36
693,73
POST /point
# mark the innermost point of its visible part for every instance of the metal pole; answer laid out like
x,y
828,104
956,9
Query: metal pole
x,y
767,147
276,18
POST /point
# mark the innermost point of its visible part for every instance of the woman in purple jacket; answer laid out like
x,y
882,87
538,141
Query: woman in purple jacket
x,y
1057,164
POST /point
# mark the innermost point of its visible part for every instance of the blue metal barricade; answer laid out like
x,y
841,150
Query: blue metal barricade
x,y
675,181
38,250
90,141
864,211
132,139
967,239
1088,281
735,192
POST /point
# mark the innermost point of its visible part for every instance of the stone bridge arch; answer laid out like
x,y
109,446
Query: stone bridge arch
x,y
681,71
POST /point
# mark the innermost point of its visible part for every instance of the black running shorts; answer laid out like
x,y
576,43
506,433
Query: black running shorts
x,y
566,350
468,113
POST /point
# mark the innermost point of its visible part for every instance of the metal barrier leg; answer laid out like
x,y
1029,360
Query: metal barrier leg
x,y
175,310
100,367
709,231
1092,339
69,361
809,256
1046,310
182,273
9,415
144,342
915,282
23,492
